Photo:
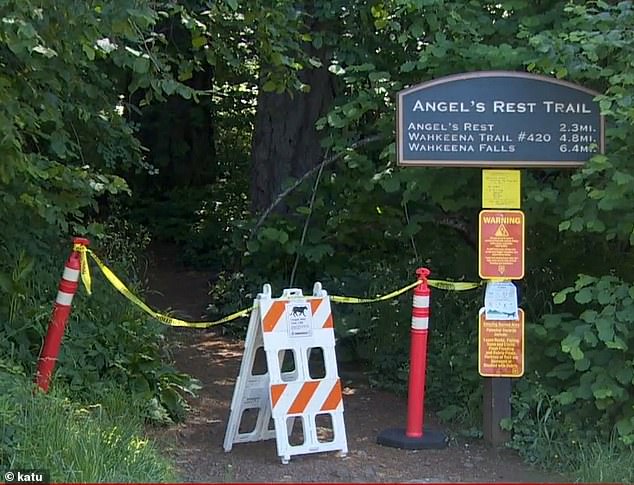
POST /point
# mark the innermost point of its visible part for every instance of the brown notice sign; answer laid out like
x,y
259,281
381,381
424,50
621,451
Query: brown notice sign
x,y
501,347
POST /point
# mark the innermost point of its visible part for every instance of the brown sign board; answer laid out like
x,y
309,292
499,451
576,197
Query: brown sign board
x,y
501,346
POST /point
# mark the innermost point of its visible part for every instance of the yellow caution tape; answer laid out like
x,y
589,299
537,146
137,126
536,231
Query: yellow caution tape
x,y
440,284
84,270
175,322
350,299
454,285
123,289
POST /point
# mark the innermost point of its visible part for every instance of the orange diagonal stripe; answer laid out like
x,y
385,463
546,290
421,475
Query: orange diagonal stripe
x,y
314,304
273,315
303,397
334,398
276,393
328,323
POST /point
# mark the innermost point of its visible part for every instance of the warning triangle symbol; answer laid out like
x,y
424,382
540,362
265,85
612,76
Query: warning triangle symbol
x,y
502,231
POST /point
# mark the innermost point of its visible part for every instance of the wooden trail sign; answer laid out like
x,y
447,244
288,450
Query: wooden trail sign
x,y
498,119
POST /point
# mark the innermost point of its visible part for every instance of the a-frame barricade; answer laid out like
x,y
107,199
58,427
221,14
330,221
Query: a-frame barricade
x,y
298,400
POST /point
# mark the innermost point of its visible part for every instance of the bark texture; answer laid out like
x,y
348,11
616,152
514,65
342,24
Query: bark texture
x,y
286,143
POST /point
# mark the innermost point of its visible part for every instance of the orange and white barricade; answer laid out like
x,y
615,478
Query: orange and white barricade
x,y
301,389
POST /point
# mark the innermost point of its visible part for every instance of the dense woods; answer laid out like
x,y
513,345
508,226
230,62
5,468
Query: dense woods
x,y
259,138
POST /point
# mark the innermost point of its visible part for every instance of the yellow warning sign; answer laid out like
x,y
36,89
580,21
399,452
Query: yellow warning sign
x,y
500,189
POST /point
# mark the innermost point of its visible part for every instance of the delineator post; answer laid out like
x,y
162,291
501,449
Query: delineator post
x,y
61,311
415,436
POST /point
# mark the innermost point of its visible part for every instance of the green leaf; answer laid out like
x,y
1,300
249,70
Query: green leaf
x,y
589,316
198,41
564,226
583,364
379,76
605,329
335,120
625,427
618,344
274,235
318,252
89,51
584,280
570,342
576,353
602,392
506,424
169,86
560,296
390,184
565,398
141,65
584,296
408,66
622,178
625,375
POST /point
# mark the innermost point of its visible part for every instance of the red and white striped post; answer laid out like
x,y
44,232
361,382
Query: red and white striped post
x,y
418,357
61,311
415,436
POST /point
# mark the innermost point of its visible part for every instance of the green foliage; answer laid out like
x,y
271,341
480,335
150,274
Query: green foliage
x,y
546,433
70,76
74,443
594,46
61,129
107,342
588,353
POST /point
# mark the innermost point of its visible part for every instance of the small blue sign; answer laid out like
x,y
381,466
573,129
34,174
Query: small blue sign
x,y
498,119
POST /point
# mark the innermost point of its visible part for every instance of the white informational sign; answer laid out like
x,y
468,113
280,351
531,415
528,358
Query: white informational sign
x,y
299,317
500,301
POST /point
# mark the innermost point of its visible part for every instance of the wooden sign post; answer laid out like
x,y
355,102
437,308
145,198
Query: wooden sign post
x,y
499,120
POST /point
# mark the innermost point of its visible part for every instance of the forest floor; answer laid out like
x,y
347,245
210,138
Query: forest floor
x,y
196,445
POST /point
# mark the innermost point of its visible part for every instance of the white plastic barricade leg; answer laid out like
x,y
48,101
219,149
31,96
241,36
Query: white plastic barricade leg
x,y
304,395
251,391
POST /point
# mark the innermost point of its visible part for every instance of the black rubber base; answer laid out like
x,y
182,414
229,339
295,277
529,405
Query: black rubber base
x,y
396,438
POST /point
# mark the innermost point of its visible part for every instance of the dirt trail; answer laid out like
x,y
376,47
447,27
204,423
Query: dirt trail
x,y
196,445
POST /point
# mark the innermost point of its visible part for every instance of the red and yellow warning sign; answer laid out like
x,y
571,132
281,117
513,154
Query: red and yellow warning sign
x,y
501,244
501,346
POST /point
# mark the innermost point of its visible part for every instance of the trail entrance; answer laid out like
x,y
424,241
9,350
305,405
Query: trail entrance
x,y
195,446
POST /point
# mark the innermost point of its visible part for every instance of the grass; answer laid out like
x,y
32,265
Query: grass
x,y
73,442
600,462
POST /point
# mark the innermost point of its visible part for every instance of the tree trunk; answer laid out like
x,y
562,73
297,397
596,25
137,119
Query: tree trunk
x,y
286,143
